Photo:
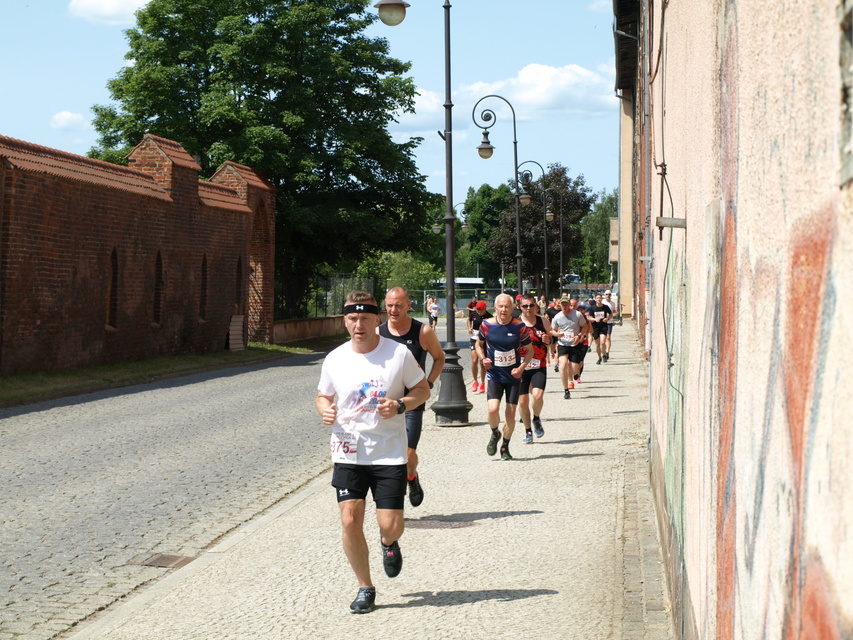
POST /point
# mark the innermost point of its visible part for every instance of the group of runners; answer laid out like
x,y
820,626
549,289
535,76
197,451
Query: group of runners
x,y
373,389
513,350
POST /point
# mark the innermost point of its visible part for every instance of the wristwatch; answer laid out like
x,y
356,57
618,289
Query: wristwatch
x,y
401,407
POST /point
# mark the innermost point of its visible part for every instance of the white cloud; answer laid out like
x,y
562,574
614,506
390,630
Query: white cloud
x,y
68,121
541,92
538,92
106,11
428,115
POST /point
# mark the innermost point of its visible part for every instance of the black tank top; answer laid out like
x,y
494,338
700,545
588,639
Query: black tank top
x,y
412,340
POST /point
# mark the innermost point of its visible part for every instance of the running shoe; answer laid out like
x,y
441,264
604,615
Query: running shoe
x,y
537,427
528,438
392,559
505,455
606,357
556,368
567,395
599,361
578,381
365,601
482,387
416,493
474,387
492,449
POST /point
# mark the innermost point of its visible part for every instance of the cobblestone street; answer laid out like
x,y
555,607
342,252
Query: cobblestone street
x,y
95,485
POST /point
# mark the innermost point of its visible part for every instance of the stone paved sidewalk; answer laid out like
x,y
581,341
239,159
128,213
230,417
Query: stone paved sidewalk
x,y
559,543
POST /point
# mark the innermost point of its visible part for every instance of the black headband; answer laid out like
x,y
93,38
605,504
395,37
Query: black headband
x,y
360,307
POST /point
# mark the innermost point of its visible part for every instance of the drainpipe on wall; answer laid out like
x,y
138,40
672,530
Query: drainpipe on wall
x,y
647,211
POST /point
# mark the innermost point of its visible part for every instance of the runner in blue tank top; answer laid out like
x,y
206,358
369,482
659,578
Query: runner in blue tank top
x,y
499,344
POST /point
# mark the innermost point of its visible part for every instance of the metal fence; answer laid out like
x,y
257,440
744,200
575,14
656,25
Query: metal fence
x,y
328,293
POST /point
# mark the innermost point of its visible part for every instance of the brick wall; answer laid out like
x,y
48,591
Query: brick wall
x,y
62,219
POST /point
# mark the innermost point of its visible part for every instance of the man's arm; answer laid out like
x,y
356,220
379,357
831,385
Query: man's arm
x,y
528,356
429,341
327,408
414,397
546,324
480,348
586,326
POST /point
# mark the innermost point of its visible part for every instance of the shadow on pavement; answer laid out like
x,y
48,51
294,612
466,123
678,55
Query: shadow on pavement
x,y
455,598
577,441
557,455
597,397
471,517
166,381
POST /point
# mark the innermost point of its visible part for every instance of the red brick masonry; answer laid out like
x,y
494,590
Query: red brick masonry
x,y
101,263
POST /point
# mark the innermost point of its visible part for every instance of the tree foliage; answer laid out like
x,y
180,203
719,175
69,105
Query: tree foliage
x,y
294,89
400,269
594,261
568,198
483,209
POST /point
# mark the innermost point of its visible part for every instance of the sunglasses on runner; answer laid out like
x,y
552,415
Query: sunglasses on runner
x,y
527,306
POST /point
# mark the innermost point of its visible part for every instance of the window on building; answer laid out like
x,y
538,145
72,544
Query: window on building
x,y
112,291
158,290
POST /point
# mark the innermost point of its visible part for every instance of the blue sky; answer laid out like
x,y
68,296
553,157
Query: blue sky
x,y
552,59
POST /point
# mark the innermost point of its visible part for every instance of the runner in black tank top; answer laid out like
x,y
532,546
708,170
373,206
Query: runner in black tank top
x,y
420,340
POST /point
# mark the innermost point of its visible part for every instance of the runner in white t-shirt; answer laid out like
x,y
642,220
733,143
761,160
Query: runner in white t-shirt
x,y
370,376
609,329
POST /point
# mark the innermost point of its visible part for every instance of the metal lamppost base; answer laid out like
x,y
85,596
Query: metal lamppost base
x,y
452,407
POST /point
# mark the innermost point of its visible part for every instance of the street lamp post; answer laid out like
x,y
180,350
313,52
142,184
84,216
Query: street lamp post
x,y
436,227
545,213
452,406
485,150
562,273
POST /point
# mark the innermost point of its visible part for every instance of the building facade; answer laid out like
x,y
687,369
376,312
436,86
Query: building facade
x,y
737,205
101,263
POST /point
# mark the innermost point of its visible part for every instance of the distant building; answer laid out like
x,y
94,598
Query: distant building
x,y
101,263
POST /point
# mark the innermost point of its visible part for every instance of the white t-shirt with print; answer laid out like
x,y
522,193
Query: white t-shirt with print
x,y
360,380
570,324
612,305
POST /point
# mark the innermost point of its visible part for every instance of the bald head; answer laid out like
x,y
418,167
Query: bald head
x,y
398,292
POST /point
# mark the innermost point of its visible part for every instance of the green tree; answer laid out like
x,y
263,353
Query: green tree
x,y
296,90
595,230
483,209
399,269
555,190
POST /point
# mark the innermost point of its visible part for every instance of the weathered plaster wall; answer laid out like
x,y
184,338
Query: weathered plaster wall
x,y
750,363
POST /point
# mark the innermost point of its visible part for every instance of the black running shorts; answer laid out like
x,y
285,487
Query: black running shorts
x,y
387,483
535,378
495,390
414,426
576,353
